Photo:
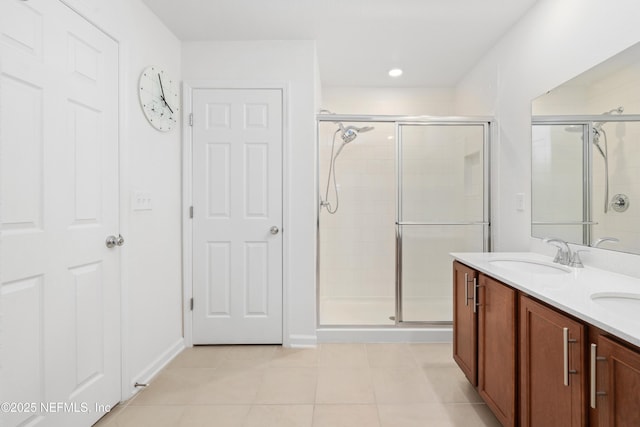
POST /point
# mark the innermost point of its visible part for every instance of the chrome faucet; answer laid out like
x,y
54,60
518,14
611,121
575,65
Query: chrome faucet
x,y
605,239
563,256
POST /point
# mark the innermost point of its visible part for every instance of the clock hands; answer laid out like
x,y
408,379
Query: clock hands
x,y
162,97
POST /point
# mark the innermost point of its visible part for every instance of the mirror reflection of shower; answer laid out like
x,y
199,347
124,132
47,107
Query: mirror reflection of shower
x,y
347,134
599,132
603,149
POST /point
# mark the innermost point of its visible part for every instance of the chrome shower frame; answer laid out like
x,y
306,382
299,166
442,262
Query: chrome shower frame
x,y
399,121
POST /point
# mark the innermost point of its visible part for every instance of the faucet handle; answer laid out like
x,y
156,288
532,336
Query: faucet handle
x,y
560,255
563,256
575,259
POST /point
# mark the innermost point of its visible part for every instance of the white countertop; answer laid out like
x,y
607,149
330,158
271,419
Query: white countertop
x,y
570,292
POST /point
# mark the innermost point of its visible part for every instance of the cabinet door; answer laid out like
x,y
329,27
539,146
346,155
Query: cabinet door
x,y
464,320
617,402
497,348
552,375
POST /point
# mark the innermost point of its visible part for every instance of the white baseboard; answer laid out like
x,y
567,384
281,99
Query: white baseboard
x,y
149,373
301,341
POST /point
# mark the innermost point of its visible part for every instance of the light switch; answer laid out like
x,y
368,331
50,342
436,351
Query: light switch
x,y
141,201
519,201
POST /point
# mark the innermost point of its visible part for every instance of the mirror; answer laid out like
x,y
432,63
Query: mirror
x,y
585,151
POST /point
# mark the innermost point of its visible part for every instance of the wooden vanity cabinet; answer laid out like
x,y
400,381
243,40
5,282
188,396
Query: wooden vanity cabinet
x,y
614,396
465,327
497,348
484,338
552,367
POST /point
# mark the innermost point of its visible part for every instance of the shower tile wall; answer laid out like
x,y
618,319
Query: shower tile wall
x,y
557,153
442,182
357,244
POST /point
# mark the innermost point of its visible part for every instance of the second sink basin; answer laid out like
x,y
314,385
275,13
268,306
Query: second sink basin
x,y
529,266
622,303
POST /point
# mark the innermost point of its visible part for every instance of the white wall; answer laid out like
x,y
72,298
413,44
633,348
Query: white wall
x,y
555,41
389,101
294,63
151,267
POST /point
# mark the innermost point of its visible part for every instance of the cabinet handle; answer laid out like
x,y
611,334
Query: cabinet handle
x,y
475,295
592,386
466,289
565,338
593,393
567,341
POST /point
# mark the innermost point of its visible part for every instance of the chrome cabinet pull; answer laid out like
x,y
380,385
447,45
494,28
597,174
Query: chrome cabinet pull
x,y
565,338
592,385
567,341
593,393
475,295
466,289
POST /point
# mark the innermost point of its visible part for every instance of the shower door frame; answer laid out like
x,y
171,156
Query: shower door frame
x,y
485,223
488,125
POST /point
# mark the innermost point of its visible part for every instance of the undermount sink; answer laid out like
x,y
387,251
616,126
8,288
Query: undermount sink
x,y
529,266
623,303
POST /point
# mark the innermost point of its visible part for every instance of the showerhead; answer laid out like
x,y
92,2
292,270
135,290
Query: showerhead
x,y
618,110
598,125
350,133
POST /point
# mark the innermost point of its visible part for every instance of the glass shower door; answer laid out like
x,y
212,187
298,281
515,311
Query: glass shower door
x,y
442,208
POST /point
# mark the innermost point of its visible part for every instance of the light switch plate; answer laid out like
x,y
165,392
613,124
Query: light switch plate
x,y
519,201
141,201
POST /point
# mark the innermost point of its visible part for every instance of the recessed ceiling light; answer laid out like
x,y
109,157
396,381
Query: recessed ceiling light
x,y
395,72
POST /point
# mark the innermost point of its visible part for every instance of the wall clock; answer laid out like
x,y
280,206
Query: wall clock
x,y
159,98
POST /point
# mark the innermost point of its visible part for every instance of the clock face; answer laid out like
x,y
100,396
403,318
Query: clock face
x,y
159,98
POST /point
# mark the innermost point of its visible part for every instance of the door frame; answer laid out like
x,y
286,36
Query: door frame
x,y
188,86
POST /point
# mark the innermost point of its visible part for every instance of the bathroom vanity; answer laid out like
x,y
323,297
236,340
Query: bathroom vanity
x,y
548,345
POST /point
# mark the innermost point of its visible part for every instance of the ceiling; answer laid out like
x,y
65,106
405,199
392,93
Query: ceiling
x,y
435,42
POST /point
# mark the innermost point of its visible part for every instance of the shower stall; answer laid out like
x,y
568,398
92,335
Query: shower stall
x,y
396,196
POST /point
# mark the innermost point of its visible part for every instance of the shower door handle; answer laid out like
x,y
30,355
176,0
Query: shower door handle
x,y
274,230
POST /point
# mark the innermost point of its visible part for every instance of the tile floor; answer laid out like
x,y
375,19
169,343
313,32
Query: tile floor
x,y
334,385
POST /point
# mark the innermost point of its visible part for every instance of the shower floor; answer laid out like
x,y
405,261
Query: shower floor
x,y
378,310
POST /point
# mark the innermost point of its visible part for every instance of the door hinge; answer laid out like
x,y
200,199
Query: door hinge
x,y
191,304
190,119
190,211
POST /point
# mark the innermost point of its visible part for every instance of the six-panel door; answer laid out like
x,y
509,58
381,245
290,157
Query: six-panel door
x,y
237,206
60,285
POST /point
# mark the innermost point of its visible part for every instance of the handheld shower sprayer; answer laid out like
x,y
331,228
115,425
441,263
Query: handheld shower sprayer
x,y
350,133
347,134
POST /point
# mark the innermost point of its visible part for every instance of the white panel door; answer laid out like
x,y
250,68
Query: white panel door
x,y
237,199
59,283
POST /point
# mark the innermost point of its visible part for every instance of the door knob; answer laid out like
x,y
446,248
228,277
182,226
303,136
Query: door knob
x,y
114,241
274,230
